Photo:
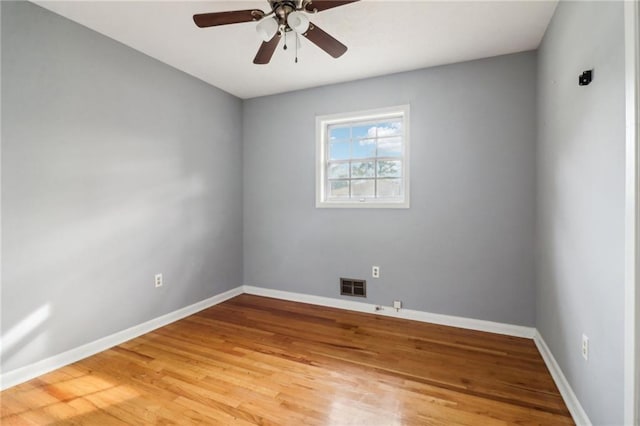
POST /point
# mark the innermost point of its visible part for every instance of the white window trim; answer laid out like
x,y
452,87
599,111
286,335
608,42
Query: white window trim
x,y
321,126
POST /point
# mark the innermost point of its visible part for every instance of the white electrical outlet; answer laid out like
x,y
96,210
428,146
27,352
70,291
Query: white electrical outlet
x,y
158,280
375,271
585,347
397,304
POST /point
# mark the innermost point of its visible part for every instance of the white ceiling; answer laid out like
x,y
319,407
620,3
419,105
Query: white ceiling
x,y
383,37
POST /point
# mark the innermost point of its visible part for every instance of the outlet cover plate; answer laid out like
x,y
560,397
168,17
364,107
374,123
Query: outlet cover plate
x,y
375,271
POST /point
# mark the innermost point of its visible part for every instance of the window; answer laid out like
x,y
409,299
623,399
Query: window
x,y
363,159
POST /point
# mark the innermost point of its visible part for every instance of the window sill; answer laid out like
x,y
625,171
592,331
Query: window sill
x,y
362,205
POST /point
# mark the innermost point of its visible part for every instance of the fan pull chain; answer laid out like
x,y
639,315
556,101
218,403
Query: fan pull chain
x,y
285,40
297,43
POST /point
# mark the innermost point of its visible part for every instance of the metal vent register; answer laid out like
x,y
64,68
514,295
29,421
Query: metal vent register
x,y
352,287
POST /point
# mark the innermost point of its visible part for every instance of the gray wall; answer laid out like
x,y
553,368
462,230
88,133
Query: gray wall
x,y
581,201
465,247
114,167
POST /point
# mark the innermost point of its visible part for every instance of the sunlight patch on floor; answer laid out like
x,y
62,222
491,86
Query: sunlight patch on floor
x,y
63,400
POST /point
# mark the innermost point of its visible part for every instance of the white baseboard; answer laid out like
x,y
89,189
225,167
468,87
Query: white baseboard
x,y
453,321
28,372
575,408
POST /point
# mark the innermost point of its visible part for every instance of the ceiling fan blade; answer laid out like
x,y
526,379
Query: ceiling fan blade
x,y
204,20
266,50
320,5
324,41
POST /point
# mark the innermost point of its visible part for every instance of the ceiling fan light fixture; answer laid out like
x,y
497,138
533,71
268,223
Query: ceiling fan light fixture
x,y
267,28
284,16
298,22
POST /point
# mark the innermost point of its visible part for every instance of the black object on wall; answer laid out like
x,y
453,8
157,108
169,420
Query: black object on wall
x,y
585,78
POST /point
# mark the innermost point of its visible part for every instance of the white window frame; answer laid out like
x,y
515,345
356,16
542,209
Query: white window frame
x,y
322,124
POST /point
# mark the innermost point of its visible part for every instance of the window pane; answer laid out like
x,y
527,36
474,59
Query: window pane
x,y
339,189
363,131
362,188
389,128
364,155
336,133
362,169
338,171
389,188
389,168
365,148
390,147
339,150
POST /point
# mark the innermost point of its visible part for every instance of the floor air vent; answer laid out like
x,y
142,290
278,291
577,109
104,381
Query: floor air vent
x,y
351,287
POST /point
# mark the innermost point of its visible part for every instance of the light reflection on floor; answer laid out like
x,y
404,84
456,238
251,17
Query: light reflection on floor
x,y
344,410
59,397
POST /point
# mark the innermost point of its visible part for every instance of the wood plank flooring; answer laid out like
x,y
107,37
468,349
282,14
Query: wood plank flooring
x,y
255,360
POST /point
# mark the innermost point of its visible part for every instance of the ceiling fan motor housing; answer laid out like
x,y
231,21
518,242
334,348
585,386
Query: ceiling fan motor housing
x,y
282,9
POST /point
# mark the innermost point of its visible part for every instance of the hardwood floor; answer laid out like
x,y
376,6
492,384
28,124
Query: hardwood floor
x,y
255,360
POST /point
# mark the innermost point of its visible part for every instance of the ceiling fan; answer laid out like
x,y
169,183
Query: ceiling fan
x,y
285,16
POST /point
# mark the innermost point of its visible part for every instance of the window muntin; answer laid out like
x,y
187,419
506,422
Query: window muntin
x,y
363,159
